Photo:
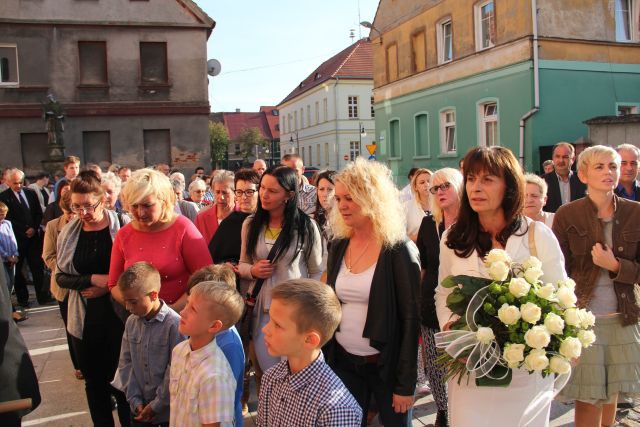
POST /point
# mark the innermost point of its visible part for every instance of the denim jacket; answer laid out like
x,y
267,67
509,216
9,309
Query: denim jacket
x,y
577,227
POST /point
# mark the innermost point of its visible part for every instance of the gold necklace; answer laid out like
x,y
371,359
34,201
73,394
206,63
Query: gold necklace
x,y
349,267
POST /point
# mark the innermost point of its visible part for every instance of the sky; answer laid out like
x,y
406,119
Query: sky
x,y
266,48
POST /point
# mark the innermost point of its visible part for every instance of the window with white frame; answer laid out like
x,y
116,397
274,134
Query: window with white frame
x,y
326,153
317,112
488,133
289,122
373,112
445,41
352,102
310,162
302,156
295,120
626,109
625,22
301,118
485,16
448,131
325,108
318,154
354,150
8,65
421,130
308,115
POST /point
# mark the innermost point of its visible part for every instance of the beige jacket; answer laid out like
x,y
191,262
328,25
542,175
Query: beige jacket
x,y
49,254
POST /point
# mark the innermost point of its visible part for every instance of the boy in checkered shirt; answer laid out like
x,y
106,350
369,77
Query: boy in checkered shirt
x,y
202,383
302,390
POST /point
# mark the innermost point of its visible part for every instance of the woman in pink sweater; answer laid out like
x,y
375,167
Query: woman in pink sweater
x,y
159,236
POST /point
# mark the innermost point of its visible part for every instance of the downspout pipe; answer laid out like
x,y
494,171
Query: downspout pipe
x,y
536,79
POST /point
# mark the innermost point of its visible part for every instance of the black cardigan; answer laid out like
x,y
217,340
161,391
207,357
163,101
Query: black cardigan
x,y
428,243
392,323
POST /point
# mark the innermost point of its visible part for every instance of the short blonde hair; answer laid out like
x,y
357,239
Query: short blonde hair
x,y
214,272
317,306
453,177
370,186
142,277
532,178
3,208
148,182
227,304
414,182
588,156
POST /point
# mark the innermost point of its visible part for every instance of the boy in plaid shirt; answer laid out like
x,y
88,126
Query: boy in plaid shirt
x,y
303,391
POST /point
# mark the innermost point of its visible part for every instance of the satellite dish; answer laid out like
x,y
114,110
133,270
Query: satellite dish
x,y
213,67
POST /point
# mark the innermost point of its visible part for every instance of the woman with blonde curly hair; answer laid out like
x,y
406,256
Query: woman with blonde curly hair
x,y
375,271
157,234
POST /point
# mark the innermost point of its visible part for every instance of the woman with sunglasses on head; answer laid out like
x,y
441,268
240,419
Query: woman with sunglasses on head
x,y
446,190
158,235
298,248
83,257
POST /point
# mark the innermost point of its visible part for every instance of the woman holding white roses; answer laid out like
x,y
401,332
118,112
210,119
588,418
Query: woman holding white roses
x,y
491,217
600,238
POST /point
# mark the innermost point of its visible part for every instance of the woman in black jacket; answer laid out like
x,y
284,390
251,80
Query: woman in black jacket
x,y
445,188
375,271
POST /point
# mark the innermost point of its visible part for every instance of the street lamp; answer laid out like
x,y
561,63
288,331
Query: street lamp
x,y
370,26
297,142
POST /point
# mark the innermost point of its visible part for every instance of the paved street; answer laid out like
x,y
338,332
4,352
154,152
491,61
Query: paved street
x,y
64,402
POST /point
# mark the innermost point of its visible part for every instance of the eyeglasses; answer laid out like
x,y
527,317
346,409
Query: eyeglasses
x,y
444,187
248,193
85,209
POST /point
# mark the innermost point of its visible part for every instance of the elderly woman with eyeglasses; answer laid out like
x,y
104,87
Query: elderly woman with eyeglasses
x,y
83,258
197,188
209,219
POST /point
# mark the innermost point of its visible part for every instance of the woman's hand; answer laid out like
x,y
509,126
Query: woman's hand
x,y
262,269
603,257
402,404
100,280
94,292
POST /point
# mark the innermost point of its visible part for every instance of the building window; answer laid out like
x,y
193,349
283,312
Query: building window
x,y
289,123
308,115
8,65
301,118
624,20
352,102
295,120
373,112
488,124
485,17
626,109
326,153
354,150
157,146
237,149
392,62
421,124
310,162
318,154
418,52
96,146
317,112
34,151
302,156
153,63
445,41
325,108
448,131
93,63
394,138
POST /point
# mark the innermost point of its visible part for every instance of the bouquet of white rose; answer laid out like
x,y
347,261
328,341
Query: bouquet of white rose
x,y
511,321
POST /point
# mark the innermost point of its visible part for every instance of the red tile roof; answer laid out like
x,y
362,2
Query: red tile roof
x,y
354,62
273,120
237,122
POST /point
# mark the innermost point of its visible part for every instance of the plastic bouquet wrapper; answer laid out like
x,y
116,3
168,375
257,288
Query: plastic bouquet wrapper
x,y
512,321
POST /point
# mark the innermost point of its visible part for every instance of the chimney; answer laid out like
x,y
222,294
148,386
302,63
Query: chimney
x,y
237,110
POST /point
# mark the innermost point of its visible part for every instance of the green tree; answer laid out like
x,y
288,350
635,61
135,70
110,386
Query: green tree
x,y
219,141
249,139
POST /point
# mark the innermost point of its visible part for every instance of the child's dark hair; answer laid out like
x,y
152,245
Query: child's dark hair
x,y
141,276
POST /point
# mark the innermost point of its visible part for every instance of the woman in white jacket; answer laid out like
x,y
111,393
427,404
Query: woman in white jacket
x,y
491,217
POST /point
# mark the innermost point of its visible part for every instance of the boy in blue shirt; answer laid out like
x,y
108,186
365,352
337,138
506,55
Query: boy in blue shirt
x,y
149,337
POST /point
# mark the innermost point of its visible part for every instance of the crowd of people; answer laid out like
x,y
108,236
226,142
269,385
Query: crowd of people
x,y
326,291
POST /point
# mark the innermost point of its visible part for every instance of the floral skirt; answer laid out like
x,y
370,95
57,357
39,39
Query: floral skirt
x,y
610,366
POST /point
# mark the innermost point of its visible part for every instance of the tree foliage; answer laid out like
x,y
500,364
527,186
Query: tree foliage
x,y
219,141
249,139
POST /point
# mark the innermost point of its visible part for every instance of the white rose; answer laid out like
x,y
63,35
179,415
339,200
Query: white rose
x,y
547,291
508,314
571,348
536,360
532,262
497,255
513,354
554,323
586,337
567,283
566,297
519,287
587,319
485,335
530,313
498,271
533,274
572,317
537,337
559,365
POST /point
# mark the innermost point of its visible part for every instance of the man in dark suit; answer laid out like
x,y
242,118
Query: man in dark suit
x,y
25,215
564,185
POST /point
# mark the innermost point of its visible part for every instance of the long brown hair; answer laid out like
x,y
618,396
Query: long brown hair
x,y
467,235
